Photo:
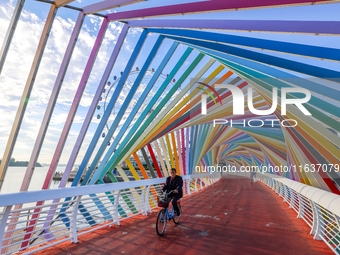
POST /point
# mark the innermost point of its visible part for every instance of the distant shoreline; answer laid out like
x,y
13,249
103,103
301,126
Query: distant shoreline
x,y
21,163
25,165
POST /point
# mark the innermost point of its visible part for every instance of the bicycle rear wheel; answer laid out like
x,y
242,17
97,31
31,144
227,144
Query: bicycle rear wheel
x,y
161,221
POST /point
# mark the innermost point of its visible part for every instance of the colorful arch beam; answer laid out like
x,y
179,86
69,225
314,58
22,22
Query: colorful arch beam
x,y
155,122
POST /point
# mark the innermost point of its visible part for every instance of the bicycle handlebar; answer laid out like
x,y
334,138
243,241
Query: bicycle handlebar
x,y
165,193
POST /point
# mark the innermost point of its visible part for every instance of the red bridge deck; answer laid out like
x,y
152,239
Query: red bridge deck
x,y
233,216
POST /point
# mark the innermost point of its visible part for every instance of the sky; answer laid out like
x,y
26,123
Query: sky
x,y
17,66
19,59
18,63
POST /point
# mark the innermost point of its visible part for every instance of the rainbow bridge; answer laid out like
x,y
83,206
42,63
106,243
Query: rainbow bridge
x,y
121,91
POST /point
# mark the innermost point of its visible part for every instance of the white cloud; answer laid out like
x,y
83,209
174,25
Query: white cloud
x,y
18,64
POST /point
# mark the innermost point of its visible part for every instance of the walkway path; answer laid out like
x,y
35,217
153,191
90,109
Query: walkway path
x,y
233,216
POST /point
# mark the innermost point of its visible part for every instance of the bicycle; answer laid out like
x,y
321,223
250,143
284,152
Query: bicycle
x,y
164,215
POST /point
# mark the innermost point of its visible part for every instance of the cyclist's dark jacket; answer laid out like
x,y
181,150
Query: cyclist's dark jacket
x,y
177,183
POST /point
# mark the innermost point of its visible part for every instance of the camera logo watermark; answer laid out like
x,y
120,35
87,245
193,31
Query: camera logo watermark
x,y
204,97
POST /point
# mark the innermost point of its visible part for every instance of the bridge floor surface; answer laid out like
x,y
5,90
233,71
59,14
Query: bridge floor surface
x,y
233,216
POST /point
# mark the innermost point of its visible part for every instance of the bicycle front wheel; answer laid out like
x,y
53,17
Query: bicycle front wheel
x,y
161,222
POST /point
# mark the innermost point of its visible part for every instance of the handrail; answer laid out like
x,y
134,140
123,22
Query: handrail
x,y
324,198
31,196
320,209
86,208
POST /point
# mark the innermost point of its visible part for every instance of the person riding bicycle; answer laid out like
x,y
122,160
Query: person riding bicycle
x,y
175,183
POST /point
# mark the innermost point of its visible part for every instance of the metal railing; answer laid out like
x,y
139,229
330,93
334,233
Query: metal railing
x,y
318,208
78,210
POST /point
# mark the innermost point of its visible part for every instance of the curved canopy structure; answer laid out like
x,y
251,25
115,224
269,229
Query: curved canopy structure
x,y
196,85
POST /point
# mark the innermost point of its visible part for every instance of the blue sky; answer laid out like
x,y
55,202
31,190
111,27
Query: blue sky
x,y
21,53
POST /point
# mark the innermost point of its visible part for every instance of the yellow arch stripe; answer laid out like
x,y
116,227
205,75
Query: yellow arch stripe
x,y
175,151
169,151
